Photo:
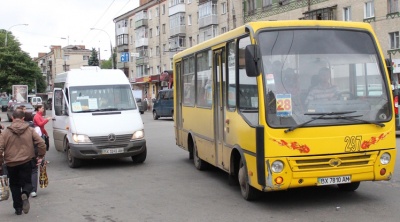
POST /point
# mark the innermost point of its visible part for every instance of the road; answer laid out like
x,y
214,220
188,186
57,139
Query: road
x,y
167,187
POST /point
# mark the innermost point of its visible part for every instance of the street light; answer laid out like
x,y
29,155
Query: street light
x,y
112,54
8,30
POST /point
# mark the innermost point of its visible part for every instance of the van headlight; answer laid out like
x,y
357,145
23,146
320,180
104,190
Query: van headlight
x,y
277,166
138,135
385,158
80,138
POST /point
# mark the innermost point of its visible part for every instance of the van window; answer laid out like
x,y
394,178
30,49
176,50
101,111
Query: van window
x,y
101,98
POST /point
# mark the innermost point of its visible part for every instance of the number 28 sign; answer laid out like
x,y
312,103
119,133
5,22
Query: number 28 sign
x,y
283,104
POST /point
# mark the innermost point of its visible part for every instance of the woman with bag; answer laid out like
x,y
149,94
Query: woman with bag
x,y
40,121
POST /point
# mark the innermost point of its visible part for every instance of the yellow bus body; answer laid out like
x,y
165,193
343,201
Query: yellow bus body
x,y
308,153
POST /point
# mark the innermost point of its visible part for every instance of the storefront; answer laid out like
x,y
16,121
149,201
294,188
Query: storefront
x,y
149,85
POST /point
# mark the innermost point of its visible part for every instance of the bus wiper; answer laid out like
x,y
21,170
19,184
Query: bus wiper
x,y
97,110
353,118
321,116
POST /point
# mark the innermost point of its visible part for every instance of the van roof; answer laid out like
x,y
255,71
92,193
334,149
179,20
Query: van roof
x,y
81,77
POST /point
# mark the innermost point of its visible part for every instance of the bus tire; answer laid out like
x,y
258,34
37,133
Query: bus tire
x,y
72,161
349,186
198,163
155,116
141,157
249,193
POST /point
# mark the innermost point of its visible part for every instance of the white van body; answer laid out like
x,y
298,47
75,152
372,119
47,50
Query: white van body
x,y
95,116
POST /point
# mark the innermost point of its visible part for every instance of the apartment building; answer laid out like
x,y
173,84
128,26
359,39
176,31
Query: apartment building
x,y
61,59
158,29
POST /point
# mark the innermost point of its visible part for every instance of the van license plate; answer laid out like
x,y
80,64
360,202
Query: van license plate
x,y
112,151
333,180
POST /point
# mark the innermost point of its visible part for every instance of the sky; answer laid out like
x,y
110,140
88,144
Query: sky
x,y
63,22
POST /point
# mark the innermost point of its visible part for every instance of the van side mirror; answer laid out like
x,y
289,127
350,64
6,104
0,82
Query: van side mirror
x,y
252,61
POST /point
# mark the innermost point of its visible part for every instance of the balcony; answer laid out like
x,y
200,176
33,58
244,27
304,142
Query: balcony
x,y
208,20
181,29
140,23
142,60
122,65
141,42
176,9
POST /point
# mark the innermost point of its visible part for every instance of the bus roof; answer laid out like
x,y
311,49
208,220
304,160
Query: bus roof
x,y
256,26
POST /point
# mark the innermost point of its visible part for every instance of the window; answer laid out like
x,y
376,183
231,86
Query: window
x,y
223,30
204,78
190,41
328,13
223,6
157,31
164,49
163,9
369,10
188,81
66,57
150,33
130,23
157,50
157,12
158,70
189,19
393,6
250,7
394,40
163,28
150,52
131,39
150,14
347,14
267,3
231,76
85,57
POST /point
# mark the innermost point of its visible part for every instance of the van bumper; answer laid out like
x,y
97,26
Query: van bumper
x,y
90,151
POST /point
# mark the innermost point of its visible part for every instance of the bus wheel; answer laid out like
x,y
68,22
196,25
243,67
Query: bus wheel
x,y
198,163
248,192
349,186
141,157
155,116
72,161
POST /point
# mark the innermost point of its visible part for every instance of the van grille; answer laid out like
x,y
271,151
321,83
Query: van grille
x,y
102,141
325,162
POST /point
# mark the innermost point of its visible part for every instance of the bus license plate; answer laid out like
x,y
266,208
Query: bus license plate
x,y
333,180
112,151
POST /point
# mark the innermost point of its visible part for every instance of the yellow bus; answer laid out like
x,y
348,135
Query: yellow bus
x,y
287,104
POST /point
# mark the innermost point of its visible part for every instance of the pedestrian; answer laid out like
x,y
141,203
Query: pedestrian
x,y
36,168
40,120
19,156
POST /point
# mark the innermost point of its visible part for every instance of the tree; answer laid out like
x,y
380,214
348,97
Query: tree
x,y
94,59
17,67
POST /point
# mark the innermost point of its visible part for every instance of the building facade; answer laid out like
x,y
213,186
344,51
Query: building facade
x,y
60,60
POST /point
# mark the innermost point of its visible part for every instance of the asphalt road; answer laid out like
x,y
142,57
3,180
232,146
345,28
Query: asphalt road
x,y
167,187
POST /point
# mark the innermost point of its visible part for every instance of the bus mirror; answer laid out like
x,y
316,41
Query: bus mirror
x,y
389,66
252,59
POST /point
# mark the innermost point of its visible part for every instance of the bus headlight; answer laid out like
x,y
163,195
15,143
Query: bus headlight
x,y
385,158
80,138
138,135
277,166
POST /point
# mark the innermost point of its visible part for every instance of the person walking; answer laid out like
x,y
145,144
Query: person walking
x,y
40,121
17,151
35,170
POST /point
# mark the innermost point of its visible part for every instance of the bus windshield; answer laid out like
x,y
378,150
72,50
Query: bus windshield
x,y
101,98
308,72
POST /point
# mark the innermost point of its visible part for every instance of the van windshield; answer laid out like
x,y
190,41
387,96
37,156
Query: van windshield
x,y
101,98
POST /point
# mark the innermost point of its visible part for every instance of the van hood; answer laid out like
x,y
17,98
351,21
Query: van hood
x,y
104,123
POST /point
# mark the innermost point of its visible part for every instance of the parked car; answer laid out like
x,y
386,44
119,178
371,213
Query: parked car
x,y
49,104
164,104
142,107
29,112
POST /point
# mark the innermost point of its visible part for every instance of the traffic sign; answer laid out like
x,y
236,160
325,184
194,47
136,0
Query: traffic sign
x,y
124,56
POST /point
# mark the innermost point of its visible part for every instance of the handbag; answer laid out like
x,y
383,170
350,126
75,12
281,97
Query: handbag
x,y
4,188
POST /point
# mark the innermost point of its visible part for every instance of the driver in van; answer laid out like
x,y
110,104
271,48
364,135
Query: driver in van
x,y
324,90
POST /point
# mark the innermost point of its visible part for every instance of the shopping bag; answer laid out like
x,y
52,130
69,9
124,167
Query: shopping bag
x,y
4,188
43,179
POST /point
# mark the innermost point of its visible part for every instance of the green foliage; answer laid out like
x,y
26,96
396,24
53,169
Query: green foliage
x,y
17,67
106,64
94,59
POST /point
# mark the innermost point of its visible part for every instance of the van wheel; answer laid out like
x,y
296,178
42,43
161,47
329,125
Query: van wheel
x,y
155,116
198,163
141,157
248,192
349,186
73,162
